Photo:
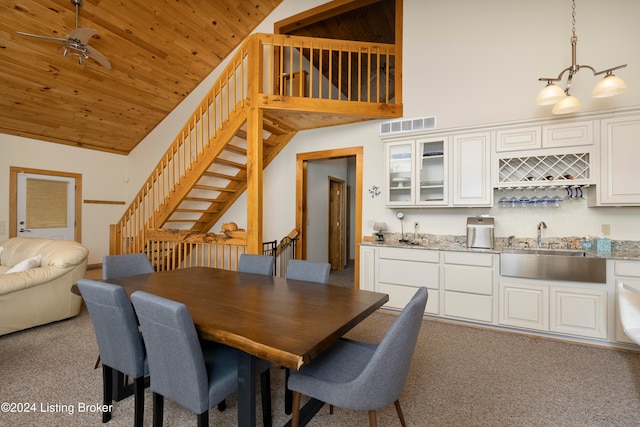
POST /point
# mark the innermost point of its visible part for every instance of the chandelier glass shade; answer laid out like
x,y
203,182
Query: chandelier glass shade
x,y
563,102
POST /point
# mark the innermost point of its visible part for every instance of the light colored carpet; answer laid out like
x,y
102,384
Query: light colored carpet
x,y
460,376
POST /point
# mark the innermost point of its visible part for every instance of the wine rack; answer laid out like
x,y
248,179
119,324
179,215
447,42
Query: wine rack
x,y
574,168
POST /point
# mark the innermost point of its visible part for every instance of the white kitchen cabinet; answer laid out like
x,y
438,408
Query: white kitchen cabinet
x,y
567,134
624,271
439,171
399,170
400,272
432,171
468,285
367,268
561,309
578,311
524,305
472,170
521,138
619,171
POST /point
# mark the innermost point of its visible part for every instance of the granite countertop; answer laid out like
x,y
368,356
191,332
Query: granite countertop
x,y
620,250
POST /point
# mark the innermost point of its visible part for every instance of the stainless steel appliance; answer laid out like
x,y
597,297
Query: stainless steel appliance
x,y
480,231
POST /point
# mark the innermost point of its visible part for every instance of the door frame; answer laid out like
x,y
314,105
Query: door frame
x,y
302,160
13,197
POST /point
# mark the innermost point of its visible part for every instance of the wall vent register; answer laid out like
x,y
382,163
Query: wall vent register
x,y
407,125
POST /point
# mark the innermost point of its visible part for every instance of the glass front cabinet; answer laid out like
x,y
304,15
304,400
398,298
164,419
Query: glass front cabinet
x,y
416,172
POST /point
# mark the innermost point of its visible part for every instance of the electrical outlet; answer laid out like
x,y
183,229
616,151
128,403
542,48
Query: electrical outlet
x,y
416,226
606,229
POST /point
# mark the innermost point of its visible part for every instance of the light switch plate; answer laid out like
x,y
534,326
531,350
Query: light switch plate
x,y
606,229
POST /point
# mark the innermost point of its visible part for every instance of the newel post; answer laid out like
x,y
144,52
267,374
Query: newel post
x,y
255,156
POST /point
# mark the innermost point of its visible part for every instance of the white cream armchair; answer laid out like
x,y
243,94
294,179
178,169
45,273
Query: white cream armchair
x,y
41,294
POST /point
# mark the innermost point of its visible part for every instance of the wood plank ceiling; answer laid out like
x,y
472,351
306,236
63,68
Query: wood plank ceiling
x,y
159,52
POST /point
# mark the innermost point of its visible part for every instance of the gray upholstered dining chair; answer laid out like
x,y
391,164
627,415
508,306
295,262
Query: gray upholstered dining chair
x,y
259,264
119,340
195,375
310,271
125,265
362,376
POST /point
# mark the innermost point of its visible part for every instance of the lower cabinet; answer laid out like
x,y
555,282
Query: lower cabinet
x,y
565,310
524,306
400,272
468,285
624,272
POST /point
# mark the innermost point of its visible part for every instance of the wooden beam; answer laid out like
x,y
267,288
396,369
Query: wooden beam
x,y
317,14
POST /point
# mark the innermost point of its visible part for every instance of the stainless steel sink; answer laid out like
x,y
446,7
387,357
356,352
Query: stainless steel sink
x,y
551,264
556,252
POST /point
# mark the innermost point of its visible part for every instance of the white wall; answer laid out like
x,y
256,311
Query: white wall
x,y
103,178
466,62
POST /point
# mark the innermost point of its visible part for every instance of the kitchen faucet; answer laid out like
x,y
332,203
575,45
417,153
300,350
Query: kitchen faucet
x,y
541,226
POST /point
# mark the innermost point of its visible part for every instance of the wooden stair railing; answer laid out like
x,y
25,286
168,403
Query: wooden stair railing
x,y
205,169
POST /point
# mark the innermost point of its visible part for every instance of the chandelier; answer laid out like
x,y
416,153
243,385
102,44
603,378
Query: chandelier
x,y
564,102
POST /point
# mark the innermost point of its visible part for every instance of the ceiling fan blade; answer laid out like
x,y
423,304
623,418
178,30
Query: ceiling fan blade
x,y
47,38
98,57
82,34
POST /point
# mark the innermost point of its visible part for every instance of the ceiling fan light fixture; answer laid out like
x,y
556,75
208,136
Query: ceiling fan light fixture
x,y
611,85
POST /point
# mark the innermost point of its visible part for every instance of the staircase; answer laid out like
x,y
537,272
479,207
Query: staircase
x,y
273,87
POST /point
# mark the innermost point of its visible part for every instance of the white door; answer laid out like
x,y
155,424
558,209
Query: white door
x,y
46,206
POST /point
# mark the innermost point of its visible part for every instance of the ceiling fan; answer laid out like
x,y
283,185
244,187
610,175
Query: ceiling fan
x,y
77,42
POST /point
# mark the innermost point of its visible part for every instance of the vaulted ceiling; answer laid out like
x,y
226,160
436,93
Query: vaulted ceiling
x,y
159,52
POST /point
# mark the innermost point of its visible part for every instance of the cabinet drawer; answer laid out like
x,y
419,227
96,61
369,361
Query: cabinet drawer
x,y
399,296
627,268
409,273
469,258
475,280
567,134
410,254
468,306
518,139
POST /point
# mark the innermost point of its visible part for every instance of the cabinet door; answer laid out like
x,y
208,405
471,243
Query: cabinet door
x,y
367,268
472,170
400,174
432,175
578,312
619,173
524,305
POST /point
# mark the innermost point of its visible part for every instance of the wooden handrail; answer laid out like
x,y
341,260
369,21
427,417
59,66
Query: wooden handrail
x,y
327,69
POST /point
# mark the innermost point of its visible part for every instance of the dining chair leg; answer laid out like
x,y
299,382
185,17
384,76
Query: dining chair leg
x,y
399,411
158,409
287,393
330,409
107,391
372,419
203,419
295,418
138,396
265,391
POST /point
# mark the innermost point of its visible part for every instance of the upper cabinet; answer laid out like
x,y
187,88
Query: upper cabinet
x,y
439,171
619,171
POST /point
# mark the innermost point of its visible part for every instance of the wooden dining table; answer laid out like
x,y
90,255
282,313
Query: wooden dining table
x,y
287,322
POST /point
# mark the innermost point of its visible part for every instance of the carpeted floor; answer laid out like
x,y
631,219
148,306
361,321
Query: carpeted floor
x,y
460,376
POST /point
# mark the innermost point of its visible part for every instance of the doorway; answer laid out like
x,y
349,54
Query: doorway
x,y
302,165
45,204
